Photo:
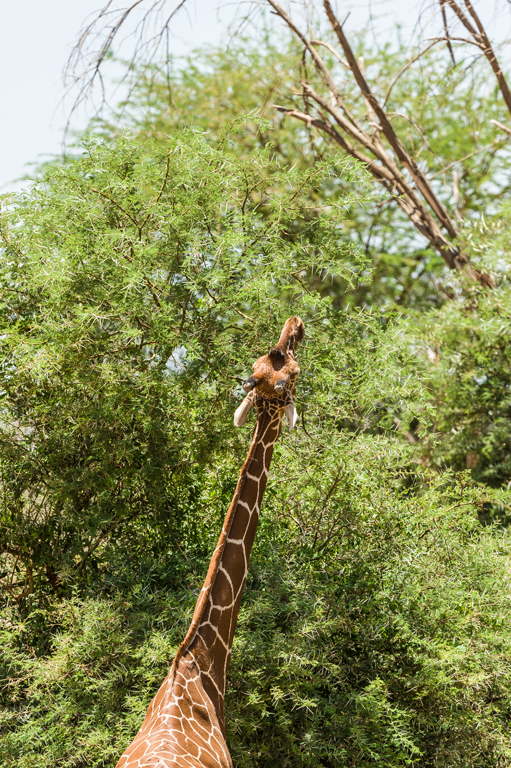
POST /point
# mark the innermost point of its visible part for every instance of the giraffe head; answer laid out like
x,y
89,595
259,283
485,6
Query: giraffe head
x,y
274,375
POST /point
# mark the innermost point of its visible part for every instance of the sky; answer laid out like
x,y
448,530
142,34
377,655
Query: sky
x,y
36,39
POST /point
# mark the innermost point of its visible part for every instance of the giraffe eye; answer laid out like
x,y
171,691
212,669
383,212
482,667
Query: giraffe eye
x,y
249,384
280,386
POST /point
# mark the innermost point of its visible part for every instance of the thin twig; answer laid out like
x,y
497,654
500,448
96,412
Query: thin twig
x,y
446,30
332,51
475,152
84,66
480,38
162,190
407,66
502,128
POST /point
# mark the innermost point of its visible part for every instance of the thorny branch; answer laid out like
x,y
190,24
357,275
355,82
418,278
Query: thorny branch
x,y
446,30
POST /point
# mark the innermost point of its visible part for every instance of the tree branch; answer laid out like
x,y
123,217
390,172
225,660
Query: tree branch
x,y
482,41
417,199
446,30
387,128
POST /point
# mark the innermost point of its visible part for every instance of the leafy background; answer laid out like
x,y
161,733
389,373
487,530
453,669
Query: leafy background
x,y
139,281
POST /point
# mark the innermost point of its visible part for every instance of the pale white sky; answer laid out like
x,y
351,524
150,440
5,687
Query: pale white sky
x,y
37,37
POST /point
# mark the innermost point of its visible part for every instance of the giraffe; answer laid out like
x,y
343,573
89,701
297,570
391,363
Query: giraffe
x,y
184,723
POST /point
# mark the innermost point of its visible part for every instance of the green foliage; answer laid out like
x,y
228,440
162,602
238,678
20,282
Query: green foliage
x,y
137,284
442,114
378,641
451,133
470,378
373,630
465,360
135,287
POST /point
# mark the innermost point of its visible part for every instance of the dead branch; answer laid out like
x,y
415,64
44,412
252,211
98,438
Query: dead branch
x,y
502,127
391,165
480,38
96,44
446,30
332,51
387,128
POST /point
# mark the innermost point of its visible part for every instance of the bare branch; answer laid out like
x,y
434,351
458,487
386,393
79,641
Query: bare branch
x,y
328,79
502,127
95,45
417,199
407,66
409,203
387,129
378,171
480,38
446,30
399,182
332,51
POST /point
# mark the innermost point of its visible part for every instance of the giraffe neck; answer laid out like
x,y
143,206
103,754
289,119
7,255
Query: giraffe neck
x,y
211,632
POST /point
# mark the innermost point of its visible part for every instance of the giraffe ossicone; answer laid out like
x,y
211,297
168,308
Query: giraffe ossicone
x,y
184,723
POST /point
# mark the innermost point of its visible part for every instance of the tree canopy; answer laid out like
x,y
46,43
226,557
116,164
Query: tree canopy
x,y
140,279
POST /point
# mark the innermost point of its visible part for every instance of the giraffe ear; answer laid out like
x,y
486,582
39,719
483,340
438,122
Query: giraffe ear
x,y
291,415
241,413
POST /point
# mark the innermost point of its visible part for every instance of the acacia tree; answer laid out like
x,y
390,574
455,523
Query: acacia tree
x,y
134,285
449,119
372,138
377,144
468,160
136,281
